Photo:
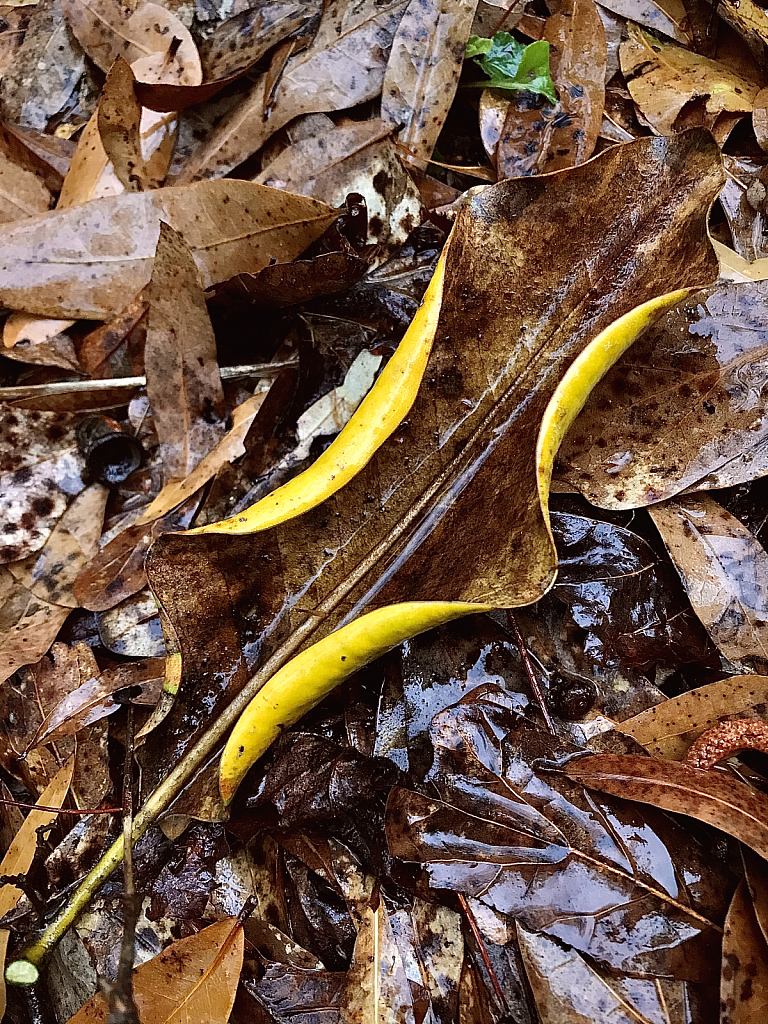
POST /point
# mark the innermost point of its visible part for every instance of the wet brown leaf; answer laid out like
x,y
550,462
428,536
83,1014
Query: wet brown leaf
x,y
183,380
724,569
150,38
563,135
423,73
684,410
119,119
714,797
232,227
194,979
522,841
288,284
326,76
744,977
669,728
468,393
677,88
666,16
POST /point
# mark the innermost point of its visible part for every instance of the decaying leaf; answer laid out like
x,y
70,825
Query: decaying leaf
x,y
669,728
713,797
682,411
194,979
232,227
119,120
676,88
183,380
326,76
423,73
539,138
666,16
149,38
723,568
22,193
21,852
485,404
744,977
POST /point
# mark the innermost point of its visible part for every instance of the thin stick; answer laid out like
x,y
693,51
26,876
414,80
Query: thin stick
x,y
131,384
61,810
483,952
528,666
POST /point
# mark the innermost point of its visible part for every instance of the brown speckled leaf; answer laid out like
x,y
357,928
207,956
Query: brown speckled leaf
x,y
683,410
92,261
724,569
744,975
714,797
119,118
22,193
423,73
448,507
328,75
241,40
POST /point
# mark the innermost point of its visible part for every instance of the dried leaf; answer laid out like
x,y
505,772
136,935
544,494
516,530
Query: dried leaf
x,y
676,88
132,629
744,978
664,16
668,729
727,739
423,73
150,38
288,284
22,193
534,139
21,852
713,797
118,118
724,570
684,411
194,979
232,227
353,158
183,381
239,41
439,550
326,76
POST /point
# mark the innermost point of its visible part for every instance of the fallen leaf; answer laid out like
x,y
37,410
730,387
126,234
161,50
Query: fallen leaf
x,y
21,853
735,268
353,158
668,729
232,227
744,977
714,797
526,843
664,16
467,393
423,73
724,571
750,21
183,380
118,119
44,79
132,628
288,284
41,471
676,88
326,76
93,699
241,40
726,740
22,193
194,979
683,411
536,139
149,38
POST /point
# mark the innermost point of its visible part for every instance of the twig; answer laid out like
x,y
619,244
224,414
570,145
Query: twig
x,y
532,677
496,985
131,384
62,810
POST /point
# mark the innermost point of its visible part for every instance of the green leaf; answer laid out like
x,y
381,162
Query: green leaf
x,y
512,65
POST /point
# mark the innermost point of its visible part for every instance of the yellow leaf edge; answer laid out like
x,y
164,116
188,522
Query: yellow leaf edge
x,y
310,676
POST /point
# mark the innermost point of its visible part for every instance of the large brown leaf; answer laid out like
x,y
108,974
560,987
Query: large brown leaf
x,y
448,507
683,410
92,261
715,797
744,978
